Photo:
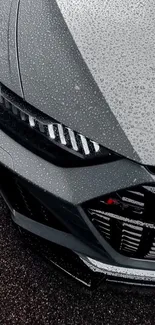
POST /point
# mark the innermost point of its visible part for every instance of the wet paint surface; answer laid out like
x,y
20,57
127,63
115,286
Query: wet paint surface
x,y
116,39
9,74
56,79
91,65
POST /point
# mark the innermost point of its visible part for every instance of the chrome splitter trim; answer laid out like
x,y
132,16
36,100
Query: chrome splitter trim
x,y
119,271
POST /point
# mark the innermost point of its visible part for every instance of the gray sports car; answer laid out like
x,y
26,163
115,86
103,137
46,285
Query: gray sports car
x,y
77,129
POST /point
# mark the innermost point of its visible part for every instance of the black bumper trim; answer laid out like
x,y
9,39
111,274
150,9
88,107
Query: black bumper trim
x,y
54,235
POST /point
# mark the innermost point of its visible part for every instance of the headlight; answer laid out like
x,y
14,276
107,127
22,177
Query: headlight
x,y
65,146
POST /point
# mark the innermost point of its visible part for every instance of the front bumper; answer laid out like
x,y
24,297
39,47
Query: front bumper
x,y
63,191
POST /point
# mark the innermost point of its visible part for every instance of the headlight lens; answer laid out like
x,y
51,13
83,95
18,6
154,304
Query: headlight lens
x,y
69,147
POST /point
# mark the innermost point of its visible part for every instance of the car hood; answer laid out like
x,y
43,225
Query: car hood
x,y
91,64
9,73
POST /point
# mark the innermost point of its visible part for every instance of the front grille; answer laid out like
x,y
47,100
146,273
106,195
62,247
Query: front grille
x,y
39,131
126,220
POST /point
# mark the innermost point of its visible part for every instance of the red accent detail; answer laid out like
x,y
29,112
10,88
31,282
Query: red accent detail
x,y
111,201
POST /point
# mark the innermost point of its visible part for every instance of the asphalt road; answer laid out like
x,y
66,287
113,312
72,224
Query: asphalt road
x,y
32,293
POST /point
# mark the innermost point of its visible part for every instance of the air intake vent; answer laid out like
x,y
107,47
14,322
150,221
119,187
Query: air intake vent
x,y
126,219
151,169
51,132
16,192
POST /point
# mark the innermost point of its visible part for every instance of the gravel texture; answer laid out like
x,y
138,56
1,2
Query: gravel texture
x,y
33,293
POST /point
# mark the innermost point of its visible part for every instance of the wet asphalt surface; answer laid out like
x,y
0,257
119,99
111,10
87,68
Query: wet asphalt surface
x,y
33,293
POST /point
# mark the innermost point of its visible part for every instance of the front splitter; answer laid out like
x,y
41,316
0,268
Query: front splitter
x,y
85,270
